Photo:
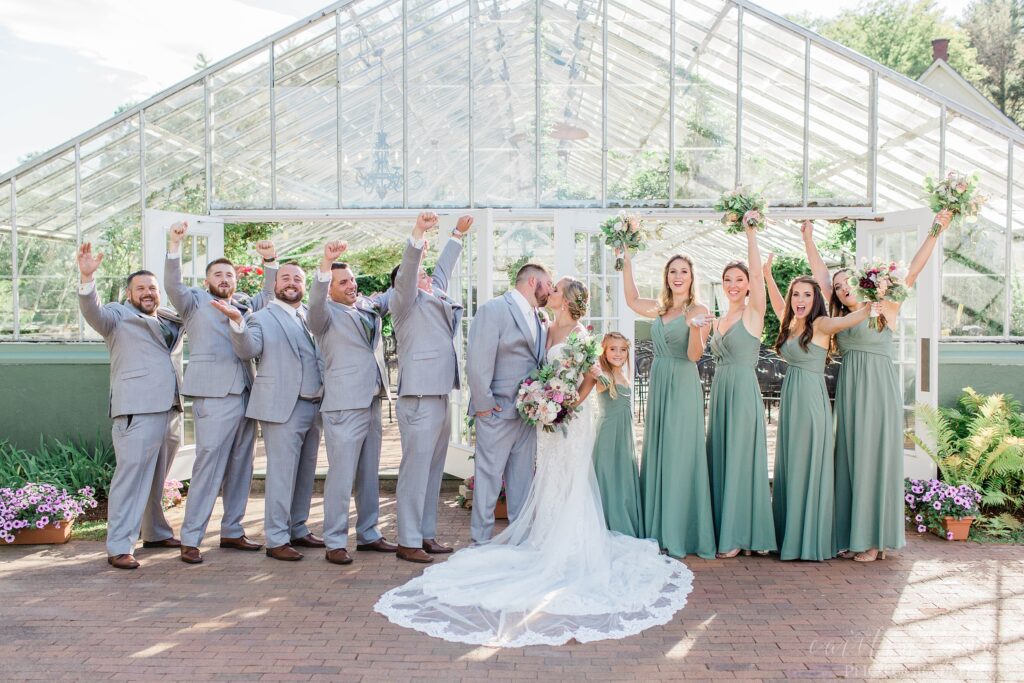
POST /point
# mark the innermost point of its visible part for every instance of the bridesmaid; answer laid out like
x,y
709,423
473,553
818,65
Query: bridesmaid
x,y
615,450
803,500
736,443
674,485
869,414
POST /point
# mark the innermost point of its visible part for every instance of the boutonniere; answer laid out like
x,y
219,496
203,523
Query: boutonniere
x,y
543,315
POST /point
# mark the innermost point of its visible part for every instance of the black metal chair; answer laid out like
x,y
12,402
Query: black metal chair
x,y
644,356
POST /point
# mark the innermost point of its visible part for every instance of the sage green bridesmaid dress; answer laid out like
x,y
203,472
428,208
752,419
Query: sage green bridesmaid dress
x,y
741,499
615,463
804,491
674,484
869,442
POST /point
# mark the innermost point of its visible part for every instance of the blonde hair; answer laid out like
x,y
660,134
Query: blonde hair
x,y
576,297
665,299
607,367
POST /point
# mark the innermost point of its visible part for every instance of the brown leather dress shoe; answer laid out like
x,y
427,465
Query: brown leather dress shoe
x,y
125,561
166,543
414,555
338,556
381,545
240,543
309,541
435,548
190,555
285,553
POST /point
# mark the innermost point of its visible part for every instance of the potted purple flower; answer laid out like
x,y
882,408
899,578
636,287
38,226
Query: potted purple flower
x,y
943,508
40,513
465,497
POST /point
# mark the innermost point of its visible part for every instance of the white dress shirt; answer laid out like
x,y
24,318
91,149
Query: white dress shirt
x,y
529,313
293,313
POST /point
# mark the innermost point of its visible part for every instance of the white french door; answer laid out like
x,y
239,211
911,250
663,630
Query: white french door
x,y
897,237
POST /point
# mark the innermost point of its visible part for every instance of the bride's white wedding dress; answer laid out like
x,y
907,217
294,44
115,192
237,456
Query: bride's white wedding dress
x,y
554,574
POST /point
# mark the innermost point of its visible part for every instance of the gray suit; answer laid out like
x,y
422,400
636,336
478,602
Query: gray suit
x,y
428,370
219,383
502,352
440,277
354,381
146,407
285,399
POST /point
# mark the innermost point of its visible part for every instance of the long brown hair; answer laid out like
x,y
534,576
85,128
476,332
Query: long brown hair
x,y
837,308
607,367
818,310
665,300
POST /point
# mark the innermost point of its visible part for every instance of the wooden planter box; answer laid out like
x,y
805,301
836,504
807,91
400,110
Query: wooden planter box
x,y
48,535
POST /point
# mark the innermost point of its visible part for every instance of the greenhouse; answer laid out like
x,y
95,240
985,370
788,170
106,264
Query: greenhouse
x,y
542,119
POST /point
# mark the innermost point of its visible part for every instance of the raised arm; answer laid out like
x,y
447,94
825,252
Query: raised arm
x,y
835,325
319,317
99,317
648,308
818,267
774,295
183,298
449,258
268,252
404,292
481,354
924,252
757,300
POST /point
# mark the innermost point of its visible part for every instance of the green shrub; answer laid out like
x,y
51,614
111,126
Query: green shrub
x,y
66,465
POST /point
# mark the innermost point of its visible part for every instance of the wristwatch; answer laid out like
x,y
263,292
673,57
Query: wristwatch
x,y
456,234
270,260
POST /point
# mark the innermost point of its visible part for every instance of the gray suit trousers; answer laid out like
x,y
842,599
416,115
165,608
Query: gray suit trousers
x,y
503,447
291,467
425,425
353,455
144,450
225,438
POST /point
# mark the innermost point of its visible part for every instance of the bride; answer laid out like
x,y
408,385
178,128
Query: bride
x,y
555,573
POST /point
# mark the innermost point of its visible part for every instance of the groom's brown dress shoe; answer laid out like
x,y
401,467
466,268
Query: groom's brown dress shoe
x,y
284,552
338,556
125,561
190,555
309,541
240,543
435,548
381,545
165,543
414,555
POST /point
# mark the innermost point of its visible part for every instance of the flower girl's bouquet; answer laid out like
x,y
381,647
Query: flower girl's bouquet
x,y
742,210
878,280
956,193
549,395
624,232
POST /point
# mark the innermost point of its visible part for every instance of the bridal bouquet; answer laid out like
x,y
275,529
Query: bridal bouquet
x,y
549,395
957,193
624,232
879,280
741,211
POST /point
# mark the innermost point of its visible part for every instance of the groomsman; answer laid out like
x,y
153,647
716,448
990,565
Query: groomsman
x,y
144,404
218,382
285,398
348,330
426,322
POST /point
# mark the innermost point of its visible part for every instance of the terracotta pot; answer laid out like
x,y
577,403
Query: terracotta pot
x,y
501,510
960,527
47,535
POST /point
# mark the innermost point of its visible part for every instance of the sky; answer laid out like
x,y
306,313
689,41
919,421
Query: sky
x,y
66,65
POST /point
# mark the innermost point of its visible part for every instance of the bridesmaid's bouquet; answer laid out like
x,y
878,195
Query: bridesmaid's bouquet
x,y
549,395
879,280
956,193
624,232
742,210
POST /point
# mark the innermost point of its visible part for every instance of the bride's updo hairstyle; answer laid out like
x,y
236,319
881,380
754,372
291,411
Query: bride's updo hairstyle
x,y
576,297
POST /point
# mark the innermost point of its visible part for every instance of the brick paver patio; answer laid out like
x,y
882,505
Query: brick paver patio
x,y
935,610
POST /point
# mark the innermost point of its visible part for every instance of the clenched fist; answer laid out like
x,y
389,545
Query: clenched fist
x,y
426,221
266,250
334,249
177,234
464,224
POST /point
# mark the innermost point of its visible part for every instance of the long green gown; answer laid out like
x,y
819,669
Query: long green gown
x,y
869,442
615,463
804,492
737,446
674,470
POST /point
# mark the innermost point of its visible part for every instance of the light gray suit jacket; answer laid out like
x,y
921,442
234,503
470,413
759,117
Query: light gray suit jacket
x,y
143,370
212,364
500,355
425,326
440,278
353,365
279,368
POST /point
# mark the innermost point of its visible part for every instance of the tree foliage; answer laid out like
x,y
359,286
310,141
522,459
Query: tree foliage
x,y
996,30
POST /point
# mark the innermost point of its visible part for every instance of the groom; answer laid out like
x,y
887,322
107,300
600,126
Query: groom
x,y
506,344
